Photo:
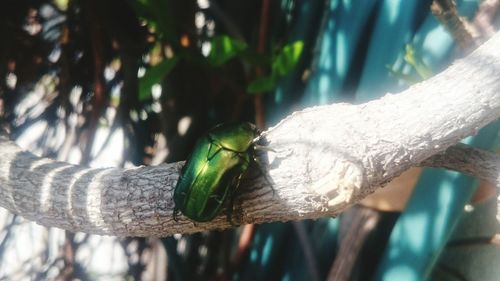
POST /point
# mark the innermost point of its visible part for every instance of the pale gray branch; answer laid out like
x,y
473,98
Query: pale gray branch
x,y
475,162
323,159
472,161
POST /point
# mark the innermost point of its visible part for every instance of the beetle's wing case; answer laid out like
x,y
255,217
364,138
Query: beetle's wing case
x,y
190,171
207,179
236,137
216,184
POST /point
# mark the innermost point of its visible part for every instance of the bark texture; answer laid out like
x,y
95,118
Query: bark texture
x,y
323,159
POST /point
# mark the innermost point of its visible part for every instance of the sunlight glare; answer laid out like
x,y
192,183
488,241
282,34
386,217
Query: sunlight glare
x,y
203,4
11,80
199,20
74,98
183,125
94,200
55,54
156,107
156,90
141,71
206,47
45,190
109,151
109,73
30,136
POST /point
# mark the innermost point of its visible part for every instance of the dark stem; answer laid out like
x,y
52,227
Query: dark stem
x,y
261,48
92,13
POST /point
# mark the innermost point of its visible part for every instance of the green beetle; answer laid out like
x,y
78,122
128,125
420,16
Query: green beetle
x,y
214,170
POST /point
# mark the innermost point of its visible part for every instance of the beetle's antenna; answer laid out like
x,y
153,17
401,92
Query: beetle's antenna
x,y
263,148
256,139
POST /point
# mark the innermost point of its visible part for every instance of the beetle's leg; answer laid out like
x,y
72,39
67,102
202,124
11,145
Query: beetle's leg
x,y
232,196
263,147
176,215
229,213
176,209
215,197
261,170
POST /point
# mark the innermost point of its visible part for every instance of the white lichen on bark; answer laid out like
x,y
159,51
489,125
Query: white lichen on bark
x,y
322,160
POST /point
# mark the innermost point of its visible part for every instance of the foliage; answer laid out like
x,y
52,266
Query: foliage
x,y
422,70
159,17
283,62
154,75
224,48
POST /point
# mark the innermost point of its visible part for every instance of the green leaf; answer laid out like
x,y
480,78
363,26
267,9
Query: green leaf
x,y
282,63
412,59
165,18
223,48
252,57
158,15
408,79
141,8
286,60
262,84
155,75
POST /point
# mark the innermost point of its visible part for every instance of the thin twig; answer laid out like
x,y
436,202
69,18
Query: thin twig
x,y
446,12
358,223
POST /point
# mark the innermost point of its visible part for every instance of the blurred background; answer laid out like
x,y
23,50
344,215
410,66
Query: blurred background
x,y
115,83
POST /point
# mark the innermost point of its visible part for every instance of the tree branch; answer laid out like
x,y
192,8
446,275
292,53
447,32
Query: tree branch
x,y
468,160
323,160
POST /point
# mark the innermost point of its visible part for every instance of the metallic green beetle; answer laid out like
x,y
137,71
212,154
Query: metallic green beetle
x,y
214,170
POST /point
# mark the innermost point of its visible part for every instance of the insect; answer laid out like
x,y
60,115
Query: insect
x,y
214,170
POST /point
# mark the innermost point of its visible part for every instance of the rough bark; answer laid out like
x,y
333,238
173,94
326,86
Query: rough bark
x,y
471,161
323,159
